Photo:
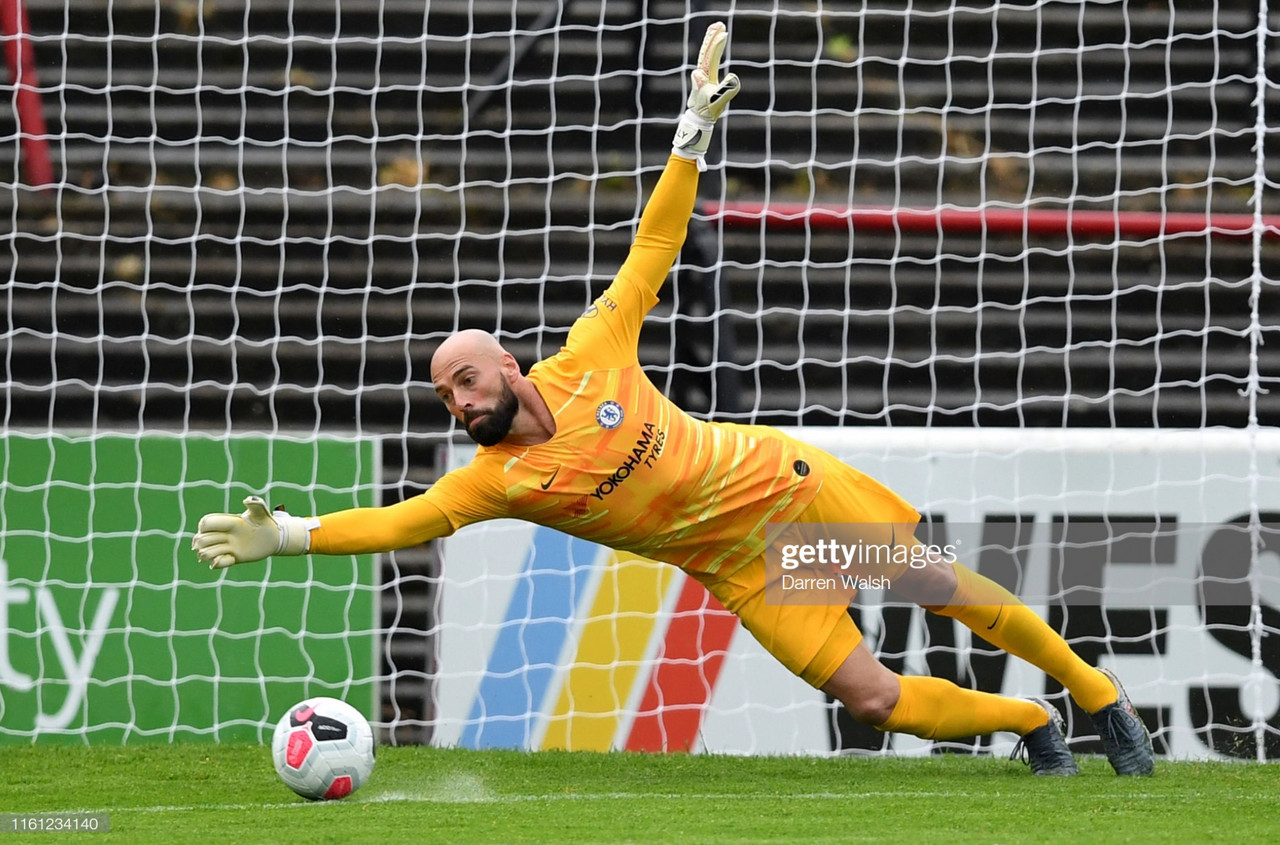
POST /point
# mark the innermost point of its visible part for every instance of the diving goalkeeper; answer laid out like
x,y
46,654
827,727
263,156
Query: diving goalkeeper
x,y
585,444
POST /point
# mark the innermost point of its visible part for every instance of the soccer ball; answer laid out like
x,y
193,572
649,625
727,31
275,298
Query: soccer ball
x,y
323,748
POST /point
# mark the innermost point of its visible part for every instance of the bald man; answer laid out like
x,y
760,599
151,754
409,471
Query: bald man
x,y
584,443
463,369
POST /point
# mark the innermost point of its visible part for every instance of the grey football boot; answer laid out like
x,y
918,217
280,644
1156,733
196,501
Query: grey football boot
x,y
1045,749
1124,736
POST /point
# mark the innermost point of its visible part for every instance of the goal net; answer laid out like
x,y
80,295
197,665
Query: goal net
x,y
1016,259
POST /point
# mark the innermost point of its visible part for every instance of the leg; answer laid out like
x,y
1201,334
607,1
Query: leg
x,y
935,708
1000,618
993,613
821,644
865,686
932,708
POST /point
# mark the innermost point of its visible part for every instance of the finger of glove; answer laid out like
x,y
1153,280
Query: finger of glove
x,y
713,44
719,99
211,552
205,539
223,561
213,522
256,511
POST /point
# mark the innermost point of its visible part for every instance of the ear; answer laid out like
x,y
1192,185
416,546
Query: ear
x,y
510,367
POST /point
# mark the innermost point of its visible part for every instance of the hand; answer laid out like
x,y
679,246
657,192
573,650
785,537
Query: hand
x,y
708,99
225,539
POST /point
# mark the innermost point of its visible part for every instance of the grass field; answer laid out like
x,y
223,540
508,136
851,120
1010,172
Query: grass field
x,y
215,794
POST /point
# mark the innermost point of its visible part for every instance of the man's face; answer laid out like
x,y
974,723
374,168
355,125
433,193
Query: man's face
x,y
489,426
481,399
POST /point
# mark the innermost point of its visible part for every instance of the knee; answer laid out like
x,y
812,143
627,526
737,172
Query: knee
x,y
872,710
870,703
932,586
866,687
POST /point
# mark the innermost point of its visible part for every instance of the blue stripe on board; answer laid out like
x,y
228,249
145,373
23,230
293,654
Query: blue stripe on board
x,y
524,659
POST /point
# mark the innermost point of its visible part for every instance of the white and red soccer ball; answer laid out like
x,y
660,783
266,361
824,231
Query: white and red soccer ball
x,y
323,748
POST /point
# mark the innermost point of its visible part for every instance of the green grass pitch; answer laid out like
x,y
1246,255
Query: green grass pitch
x,y
230,793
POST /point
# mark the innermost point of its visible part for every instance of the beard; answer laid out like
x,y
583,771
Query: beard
x,y
490,427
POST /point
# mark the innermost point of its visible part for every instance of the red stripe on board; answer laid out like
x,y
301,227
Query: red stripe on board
x,y
684,676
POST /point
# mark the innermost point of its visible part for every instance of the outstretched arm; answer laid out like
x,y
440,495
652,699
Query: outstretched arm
x,y
459,498
225,539
665,220
663,225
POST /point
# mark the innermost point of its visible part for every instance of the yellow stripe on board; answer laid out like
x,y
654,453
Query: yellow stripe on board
x,y
614,639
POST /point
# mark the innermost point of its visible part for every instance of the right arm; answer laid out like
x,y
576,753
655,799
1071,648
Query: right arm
x,y
459,498
365,530
466,495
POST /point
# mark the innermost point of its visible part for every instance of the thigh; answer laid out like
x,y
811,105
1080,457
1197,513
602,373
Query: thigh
x,y
858,512
812,641
851,496
932,584
853,502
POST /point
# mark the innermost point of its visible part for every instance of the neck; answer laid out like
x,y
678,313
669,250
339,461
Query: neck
x,y
534,422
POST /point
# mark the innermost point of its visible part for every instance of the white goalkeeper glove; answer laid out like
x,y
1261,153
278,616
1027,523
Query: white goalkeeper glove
x,y
225,539
708,99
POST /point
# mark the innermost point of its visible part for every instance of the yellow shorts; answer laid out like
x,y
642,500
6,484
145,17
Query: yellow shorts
x,y
810,640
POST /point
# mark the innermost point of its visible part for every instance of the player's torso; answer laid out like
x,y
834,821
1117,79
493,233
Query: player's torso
x,y
629,469
609,454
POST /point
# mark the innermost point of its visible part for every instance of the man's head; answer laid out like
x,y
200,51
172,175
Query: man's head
x,y
473,376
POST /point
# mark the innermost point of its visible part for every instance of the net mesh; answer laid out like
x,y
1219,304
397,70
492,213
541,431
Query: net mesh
x,y
256,219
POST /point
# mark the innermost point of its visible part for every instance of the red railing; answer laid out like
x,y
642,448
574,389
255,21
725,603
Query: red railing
x,y
1004,221
20,56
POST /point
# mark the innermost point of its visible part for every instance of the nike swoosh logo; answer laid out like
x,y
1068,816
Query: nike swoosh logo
x,y
304,714
547,483
997,619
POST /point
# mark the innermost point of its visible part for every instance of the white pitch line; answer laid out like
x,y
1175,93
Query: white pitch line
x,y
396,798
389,798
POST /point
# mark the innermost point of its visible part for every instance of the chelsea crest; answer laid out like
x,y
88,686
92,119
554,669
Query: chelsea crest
x,y
609,414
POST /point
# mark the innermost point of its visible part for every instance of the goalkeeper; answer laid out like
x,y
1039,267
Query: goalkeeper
x,y
585,444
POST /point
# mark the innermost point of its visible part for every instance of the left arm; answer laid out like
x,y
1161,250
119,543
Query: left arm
x,y
608,333
665,221
663,225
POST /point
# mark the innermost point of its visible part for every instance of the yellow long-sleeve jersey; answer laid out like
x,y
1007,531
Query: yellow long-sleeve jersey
x,y
626,468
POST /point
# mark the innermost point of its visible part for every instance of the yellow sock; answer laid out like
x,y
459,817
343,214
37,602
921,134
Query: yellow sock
x,y
935,708
1000,618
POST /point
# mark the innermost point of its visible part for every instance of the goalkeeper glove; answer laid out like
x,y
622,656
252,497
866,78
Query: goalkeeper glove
x,y
708,99
225,539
